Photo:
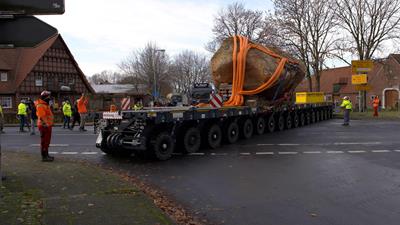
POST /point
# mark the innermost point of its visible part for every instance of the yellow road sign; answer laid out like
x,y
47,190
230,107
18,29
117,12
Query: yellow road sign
x,y
363,87
359,79
362,66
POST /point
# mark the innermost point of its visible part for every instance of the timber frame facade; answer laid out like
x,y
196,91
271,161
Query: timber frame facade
x,y
26,72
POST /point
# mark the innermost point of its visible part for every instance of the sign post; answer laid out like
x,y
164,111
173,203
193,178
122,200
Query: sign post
x,y
360,68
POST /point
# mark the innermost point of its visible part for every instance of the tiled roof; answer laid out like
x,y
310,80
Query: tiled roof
x,y
119,89
20,61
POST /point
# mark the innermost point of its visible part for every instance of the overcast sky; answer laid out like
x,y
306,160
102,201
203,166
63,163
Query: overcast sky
x,y
100,33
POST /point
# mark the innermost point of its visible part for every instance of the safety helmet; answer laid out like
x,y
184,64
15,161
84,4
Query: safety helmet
x,y
45,93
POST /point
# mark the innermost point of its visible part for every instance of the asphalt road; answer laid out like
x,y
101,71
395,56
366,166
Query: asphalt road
x,y
320,174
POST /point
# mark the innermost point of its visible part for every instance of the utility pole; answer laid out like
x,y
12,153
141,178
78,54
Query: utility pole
x,y
154,73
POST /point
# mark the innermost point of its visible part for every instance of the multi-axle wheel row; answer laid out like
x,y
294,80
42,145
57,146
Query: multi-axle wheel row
x,y
190,137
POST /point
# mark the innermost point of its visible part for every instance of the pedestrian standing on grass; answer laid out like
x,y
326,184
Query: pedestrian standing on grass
x,y
375,105
82,109
347,107
32,115
76,118
1,120
45,124
67,111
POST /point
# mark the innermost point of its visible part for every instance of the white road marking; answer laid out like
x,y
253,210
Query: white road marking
x,y
396,150
357,143
103,153
287,153
197,153
380,151
322,144
218,154
89,153
245,153
265,153
356,152
51,145
69,153
334,152
54,153
312,152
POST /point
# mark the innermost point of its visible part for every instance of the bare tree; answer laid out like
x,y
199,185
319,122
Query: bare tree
x,y
187,69
148,66
235,19
105,77
369,24
307,30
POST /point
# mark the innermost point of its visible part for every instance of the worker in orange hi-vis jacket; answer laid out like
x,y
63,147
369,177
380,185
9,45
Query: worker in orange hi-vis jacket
x,y
82,109
375,105
45,124
113,108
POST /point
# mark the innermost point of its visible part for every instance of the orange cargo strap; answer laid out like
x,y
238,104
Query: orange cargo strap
x,y
239,57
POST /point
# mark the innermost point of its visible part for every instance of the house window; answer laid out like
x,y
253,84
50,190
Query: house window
x,y
6,102
39,81
3,76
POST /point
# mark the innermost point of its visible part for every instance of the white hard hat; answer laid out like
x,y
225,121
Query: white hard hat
x,y
45,93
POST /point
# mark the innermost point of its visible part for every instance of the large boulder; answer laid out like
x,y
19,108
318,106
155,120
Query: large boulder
x,y
259,69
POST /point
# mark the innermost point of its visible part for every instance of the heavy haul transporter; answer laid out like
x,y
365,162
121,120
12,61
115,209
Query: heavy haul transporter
x,y
259,100
159,132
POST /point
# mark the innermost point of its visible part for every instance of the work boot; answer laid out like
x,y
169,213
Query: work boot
x,y
46,157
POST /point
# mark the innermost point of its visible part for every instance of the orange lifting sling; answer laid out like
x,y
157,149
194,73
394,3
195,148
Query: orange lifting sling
x,y
239,67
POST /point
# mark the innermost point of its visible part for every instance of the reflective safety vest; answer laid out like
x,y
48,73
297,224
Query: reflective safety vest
x,y
44,114
67,110
22,109
375,103
82,102
347,104
1,111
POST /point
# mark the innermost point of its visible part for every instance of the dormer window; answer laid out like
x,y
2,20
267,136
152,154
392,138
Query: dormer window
x,y
3,76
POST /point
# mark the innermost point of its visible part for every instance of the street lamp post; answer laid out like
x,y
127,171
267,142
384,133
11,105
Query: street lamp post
x,y
154,73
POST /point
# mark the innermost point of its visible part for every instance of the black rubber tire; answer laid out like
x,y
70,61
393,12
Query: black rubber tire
x,y
214,136
288,121
271,124
259,127
303,121
104,148
247,129
313,120
281,123
232,132
296,121
191,140
317,116
109,141
308,118
163,146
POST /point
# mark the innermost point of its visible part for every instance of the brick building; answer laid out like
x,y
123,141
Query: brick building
x,y
384,81
25,72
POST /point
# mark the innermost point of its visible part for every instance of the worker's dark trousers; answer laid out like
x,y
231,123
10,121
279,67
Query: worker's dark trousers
x,y
45,138
347,116
21,122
